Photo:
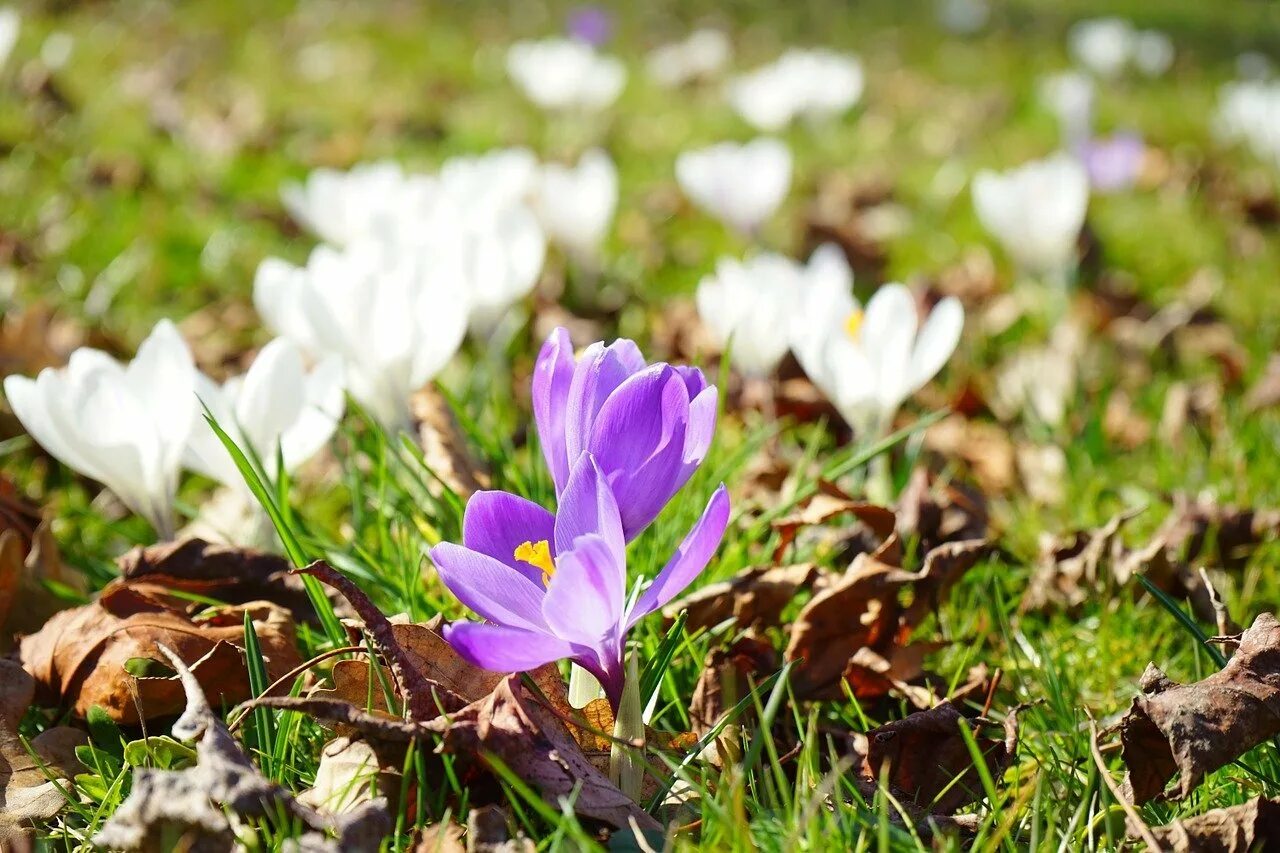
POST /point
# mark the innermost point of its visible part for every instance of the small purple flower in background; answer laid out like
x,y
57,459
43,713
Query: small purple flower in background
x,y
647,425
591,24
554,587
1113,163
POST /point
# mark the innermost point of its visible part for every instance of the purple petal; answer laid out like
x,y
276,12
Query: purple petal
x,y
497,523
490,588
694,379
503,649
584,600
701,428
596,376
588,507
690,559
552,376
639,441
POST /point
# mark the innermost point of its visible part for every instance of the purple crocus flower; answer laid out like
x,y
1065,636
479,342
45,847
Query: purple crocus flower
x,y
556,587
648,425
1113,163
591,24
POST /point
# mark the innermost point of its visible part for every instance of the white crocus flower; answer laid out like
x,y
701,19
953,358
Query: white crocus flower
x,y
575,204
814,84
564,74
1102,45
278,409
124,425
1070,96
703,54
1036,211
1152,52
1249,112
480,188
743,305
10,26
869,362
741,185
345,207
395,319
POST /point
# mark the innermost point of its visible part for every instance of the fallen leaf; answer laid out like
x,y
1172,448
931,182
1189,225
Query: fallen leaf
x,y
1043,468
1193,729
31,790
79,657
926,758
936,513
845,213
755,596
984,448
444,445
1122,424
187,809
1196,405
1265,393
1071,568
726,678
438,838
348,777
825,504
489,831
1254,825
222,572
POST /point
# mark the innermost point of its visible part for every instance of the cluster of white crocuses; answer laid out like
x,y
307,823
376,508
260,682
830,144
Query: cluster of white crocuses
x,y
416,259
1107,46
134,427
868,361
813,84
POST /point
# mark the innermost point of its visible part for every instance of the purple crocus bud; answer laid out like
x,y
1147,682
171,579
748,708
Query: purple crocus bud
x,y
555,587
648,425
1113,163
591,24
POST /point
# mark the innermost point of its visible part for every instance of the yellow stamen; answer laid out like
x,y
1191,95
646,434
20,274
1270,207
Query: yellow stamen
x,y
538,555
853,323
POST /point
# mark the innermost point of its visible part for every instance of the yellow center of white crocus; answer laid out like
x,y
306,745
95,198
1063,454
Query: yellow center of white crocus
x,y
538,555
853,324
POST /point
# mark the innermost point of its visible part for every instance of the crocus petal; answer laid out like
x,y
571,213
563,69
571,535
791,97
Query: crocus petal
x,y
588,507
596,376
497,523
584,600
690,559
937,340
552,376
490,588
500,648
889,330
701,427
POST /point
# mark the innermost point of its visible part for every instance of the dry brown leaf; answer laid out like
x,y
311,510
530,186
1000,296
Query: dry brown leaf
x,y
825,504
1193,729
489,831
1071,568
1122,424
221,572
27,793
984,448
864,609
1265,393
185,808
926,759
1043,469
727,677
35,338
348,777
1197,405
1254,825
936,513
438,838
78,658
754,596
444,446
851,215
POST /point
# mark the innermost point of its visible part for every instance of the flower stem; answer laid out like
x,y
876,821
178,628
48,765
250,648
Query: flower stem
x,y
583,687
626,766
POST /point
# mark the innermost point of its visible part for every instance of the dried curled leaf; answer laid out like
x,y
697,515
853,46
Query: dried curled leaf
x,y
1254,825
726,677
927,760
444,446
937,513
79,657
754,596
1193,729
827,503
31,789
193,804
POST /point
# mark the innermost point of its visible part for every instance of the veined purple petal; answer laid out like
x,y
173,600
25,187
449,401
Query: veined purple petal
x,y
690,559
589,507
694,379
500,648
492,589
497,523
584,600
552,377
643,492
596,376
